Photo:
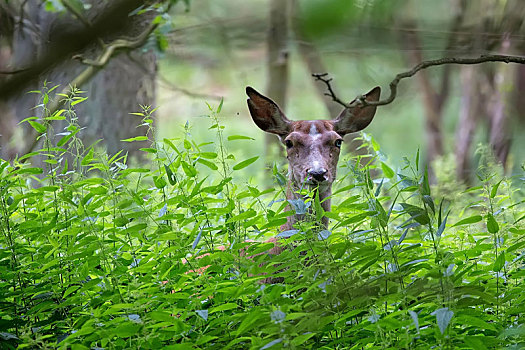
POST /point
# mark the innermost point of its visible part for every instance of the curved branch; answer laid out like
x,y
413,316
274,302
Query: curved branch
x,y
423,65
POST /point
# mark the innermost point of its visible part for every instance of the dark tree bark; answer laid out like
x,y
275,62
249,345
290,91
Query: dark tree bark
x,y
116,90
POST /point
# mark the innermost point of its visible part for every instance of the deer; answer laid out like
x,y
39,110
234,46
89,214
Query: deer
x,y
312,146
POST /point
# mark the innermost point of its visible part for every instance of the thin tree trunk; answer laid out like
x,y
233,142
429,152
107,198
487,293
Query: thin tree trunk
x,y
314,63
278,52
433,109
499,131
470,108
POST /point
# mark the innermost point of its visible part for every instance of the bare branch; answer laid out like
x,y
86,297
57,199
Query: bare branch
x,y
423,65
323,77
110,49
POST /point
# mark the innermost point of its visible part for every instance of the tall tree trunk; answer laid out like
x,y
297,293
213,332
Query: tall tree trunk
x,y
278,53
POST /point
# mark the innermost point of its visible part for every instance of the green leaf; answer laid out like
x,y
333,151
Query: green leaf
x,y
500,262
477,342
189,169
470,220
477,322
161,316
78,100
494,189
126,329
205,339
32,171
171,176
208,155
244,163
300,339
148,150
387,171
66,138
171,145
442,226
239,137
37,126
249,321
88,157
492,224
69,291
224,307
56,116
243,216
159,181
425,187
417,159
417,213
443,317
137,138
209,164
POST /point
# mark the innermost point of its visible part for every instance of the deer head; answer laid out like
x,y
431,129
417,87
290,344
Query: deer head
x,y
312,146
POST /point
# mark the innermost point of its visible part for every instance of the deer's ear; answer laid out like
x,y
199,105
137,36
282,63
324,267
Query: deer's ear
x,y
267,114
353,119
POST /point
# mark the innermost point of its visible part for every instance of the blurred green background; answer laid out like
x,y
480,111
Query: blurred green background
x,y
205,51
218,48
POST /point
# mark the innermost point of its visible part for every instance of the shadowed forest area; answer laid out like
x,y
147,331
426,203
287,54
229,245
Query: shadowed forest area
x,y
142,205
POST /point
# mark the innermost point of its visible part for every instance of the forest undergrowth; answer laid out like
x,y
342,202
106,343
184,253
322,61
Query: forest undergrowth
x,y
98,253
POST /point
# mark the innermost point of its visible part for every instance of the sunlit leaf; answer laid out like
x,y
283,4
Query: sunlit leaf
x,y
443,317
245,163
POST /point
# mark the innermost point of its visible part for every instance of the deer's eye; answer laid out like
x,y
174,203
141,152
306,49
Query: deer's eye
x,y
338,143
288,143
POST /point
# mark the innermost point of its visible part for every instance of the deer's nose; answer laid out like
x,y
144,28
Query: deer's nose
x,y
317,174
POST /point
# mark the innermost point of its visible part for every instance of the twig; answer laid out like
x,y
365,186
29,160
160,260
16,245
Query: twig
x,y
110,49
187,92
170,85
423,65
323,78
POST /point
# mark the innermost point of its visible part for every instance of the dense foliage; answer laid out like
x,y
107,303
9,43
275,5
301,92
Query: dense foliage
x,y
96,253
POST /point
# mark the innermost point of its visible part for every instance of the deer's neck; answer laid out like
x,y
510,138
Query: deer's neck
x,y
325,193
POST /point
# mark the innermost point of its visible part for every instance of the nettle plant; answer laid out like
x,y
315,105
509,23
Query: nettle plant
x,y
98,253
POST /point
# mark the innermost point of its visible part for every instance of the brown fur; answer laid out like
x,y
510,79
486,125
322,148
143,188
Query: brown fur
x,y
312,145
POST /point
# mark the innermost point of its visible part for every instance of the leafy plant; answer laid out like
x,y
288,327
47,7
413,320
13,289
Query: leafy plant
x,y
97,253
